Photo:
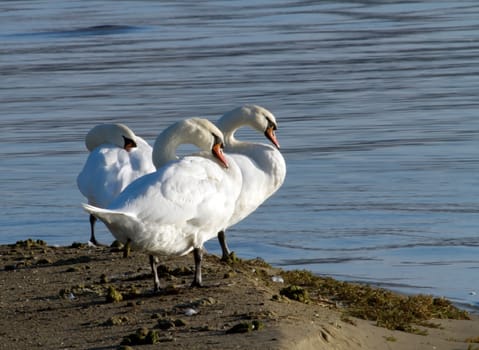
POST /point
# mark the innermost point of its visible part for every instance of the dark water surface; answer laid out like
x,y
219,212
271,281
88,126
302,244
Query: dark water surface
x,y
377,105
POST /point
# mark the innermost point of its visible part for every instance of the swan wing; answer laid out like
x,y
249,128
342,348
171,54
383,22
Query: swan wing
x,y
141,159
109,169
179,206
205,189
182,191
103,176
263,171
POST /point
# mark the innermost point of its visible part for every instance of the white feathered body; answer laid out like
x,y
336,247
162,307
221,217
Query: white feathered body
x,y
175,209
263,170
109,169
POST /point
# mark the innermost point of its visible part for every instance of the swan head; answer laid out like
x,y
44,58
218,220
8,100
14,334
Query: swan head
x,y
209,137
257,117
197,131
116,134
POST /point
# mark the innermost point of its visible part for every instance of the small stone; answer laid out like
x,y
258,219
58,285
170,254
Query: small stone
x,y
142,331
243,327
44,261
116,320
179,323
165,324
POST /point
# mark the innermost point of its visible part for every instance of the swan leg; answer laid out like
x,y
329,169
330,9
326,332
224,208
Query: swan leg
x,y
198,255
92,229
127,248
154,270
224,246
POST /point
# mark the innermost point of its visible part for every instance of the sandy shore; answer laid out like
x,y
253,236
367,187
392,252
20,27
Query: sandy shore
x,y
84,297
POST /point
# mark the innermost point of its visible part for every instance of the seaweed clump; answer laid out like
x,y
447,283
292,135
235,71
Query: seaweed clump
x,y
388,309
30,243
294,292
113,296
142,336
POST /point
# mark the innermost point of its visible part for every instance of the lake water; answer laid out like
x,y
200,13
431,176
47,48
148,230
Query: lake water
x,y
377,107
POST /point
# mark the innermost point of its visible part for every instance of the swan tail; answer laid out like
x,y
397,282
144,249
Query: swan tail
x,y
116,221
105,215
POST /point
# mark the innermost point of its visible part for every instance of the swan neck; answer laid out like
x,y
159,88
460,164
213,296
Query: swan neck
x,y
190,131
166,144
229,123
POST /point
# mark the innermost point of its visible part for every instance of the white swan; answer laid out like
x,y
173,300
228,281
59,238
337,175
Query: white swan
x,y
117,157
183,204
263,167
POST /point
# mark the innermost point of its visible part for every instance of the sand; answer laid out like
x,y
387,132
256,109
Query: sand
x,y
68,298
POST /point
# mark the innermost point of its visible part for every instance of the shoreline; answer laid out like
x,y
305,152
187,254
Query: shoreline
x,y
459,299
82,297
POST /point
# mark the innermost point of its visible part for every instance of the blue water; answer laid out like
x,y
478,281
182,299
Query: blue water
x,y
377,107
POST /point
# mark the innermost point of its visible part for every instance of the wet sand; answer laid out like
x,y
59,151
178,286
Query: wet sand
x,y
83,297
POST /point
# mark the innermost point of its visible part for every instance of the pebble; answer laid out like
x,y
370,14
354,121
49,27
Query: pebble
x,y
277,279
190,312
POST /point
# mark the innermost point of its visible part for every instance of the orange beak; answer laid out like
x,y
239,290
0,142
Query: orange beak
x,y
270,135
218,153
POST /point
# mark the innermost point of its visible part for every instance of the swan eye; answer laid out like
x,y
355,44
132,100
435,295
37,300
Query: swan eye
x,y
218,140
271,124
